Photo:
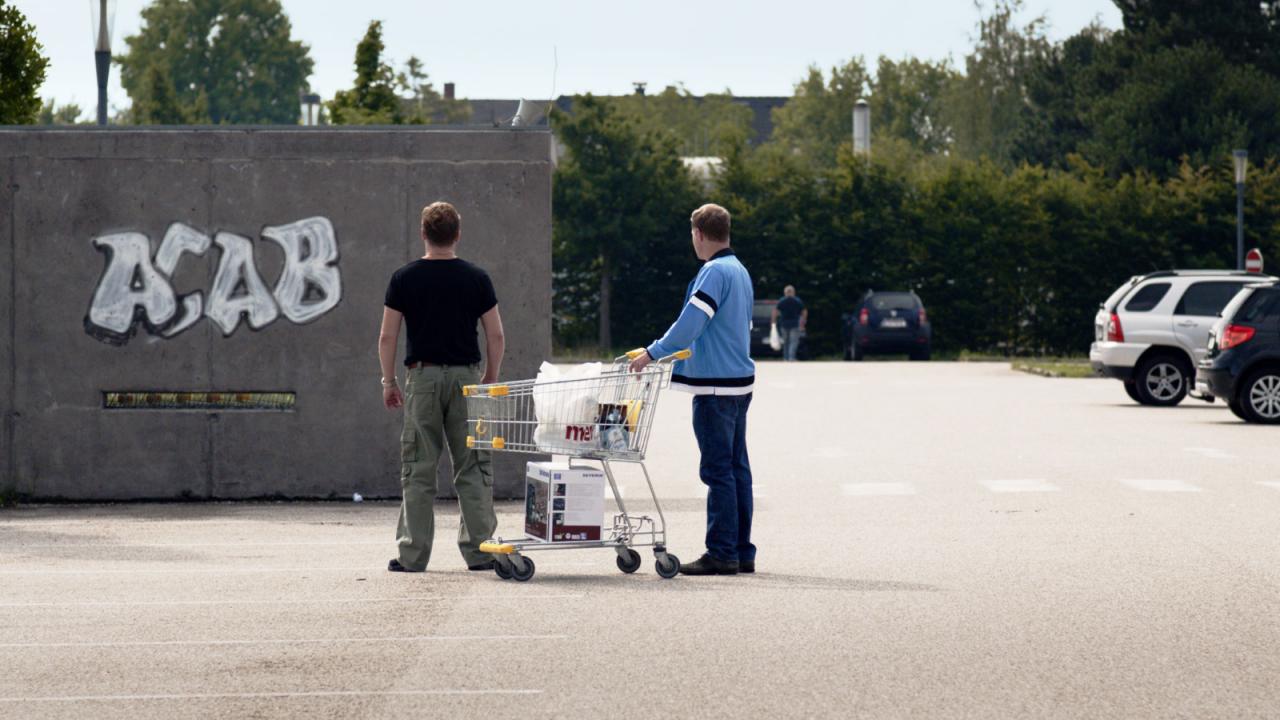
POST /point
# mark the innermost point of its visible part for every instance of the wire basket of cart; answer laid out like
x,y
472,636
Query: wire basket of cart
x,y
596,414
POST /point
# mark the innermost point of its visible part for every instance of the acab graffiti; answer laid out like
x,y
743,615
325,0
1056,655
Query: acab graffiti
x,y
135,287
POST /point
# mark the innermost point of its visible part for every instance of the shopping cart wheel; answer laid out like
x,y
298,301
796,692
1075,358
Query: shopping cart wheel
x,y
629,562
502,569
668,566
521,568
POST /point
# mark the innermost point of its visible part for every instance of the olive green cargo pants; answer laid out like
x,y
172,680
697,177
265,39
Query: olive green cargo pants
x,y
436,411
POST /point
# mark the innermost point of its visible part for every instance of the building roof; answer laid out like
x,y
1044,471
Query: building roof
x,y
499,112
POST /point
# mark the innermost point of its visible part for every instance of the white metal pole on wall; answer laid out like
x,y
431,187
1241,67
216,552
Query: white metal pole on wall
x,y
103,18
862,128
1240,159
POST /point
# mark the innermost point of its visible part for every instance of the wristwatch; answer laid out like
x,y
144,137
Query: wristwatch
x,y
389,383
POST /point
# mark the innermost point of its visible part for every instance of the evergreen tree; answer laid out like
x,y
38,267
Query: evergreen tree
x,y
22,68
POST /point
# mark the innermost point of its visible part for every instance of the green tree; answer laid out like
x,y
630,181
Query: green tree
x,y
226,61
704,126
1246,32
819,117
424,104
53,114
1184,102
908,103
160,105
22,68
985,105
373,100
621,200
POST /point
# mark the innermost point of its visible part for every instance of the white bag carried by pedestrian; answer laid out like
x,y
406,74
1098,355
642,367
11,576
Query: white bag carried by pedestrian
x,y
775,340
566,403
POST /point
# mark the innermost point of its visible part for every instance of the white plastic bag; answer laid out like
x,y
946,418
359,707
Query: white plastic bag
x,y
566,411
775,341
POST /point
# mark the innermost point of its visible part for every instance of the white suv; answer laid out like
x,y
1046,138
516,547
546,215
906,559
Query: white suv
x,y
1154,329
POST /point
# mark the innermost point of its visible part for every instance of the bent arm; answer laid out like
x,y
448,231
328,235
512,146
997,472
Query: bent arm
x,y
495,344
692,321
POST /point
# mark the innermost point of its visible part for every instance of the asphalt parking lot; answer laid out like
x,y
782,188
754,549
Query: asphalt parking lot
x,y
942,540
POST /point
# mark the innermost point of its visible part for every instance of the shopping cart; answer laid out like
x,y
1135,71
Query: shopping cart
x,y
606,419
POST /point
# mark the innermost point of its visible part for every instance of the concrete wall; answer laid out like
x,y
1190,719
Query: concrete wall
x,y
61,189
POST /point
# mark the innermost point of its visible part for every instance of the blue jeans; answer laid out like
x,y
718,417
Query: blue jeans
x,y
790,342
720,424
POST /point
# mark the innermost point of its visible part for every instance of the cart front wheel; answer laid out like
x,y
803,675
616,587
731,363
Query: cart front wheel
x,y
502,569
668,566
629,562
521,568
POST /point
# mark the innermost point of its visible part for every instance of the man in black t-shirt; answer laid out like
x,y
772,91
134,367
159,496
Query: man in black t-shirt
x,y
790,315
440,299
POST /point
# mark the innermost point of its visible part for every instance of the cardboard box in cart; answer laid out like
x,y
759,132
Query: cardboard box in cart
x,y
562,503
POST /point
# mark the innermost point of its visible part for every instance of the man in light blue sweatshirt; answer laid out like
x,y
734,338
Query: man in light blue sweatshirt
x,y
716,325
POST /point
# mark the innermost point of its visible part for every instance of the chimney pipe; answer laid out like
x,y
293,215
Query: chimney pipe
x,y
448,91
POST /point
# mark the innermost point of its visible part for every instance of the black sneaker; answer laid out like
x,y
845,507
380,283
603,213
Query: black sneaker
x,y
707,565
395,566
481,566
747,566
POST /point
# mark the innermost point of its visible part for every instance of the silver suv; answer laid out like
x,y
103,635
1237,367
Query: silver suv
x,y
1154,329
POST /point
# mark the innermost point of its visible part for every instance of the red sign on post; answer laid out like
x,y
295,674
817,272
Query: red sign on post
x,y
1253,261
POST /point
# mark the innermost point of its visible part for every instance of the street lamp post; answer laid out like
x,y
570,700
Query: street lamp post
x,y
104,12
1240,159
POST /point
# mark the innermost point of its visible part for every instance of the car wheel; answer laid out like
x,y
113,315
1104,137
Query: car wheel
x,y
1236,410
848,353
1162,380
1259,398
1131,389
858,354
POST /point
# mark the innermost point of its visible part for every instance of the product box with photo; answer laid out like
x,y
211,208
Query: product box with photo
x,y
563,504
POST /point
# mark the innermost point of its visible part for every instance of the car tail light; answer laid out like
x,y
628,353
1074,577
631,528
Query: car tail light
x,y
1235,335
1115,332
864,317
924,317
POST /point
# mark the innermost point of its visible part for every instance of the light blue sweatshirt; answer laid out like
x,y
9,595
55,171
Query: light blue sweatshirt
x,y
716,325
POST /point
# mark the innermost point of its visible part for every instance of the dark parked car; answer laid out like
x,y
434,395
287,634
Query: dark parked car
x,y
1243,363
888,322
761,317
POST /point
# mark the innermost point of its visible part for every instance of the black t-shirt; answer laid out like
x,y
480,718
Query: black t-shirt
x,y
789,309
441,301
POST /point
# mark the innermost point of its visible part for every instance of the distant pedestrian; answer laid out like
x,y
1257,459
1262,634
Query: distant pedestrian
x,y
790,315
716,324
440,298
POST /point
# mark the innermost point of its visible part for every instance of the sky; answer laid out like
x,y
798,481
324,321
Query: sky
x,y
504,49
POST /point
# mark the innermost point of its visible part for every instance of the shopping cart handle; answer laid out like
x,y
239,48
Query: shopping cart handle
x,y
633,354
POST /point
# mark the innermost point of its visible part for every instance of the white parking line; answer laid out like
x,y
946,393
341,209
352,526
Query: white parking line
x,y
1211,453
293,641
1020,486
255,696
1157,485
320,601
197,571
870,489
325,543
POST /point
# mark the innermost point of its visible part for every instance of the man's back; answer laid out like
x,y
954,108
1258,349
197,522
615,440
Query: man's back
x,y
789,309
441,301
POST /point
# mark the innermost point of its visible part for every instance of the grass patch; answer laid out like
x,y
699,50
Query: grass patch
x,y
1055,367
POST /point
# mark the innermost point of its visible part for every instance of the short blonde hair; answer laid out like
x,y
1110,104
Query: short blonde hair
x,y
712,221
441,223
